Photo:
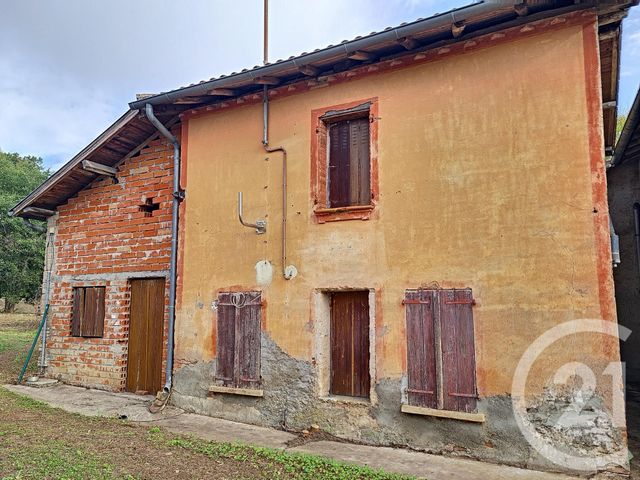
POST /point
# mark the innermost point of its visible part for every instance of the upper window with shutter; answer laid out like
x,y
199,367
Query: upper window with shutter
x,y
441,365
238,339
348,177
344,180
87,319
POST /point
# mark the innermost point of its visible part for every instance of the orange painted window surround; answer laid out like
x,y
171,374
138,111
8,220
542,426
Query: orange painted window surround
x,y
320,160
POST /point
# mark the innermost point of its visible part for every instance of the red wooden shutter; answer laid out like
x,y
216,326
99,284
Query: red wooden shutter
x,y
360,177
339,165
225,339
458,350
350,344
248,341
421,354
93,322
78,311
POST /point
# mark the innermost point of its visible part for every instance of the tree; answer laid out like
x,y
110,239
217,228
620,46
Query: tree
x,y
622,119
21,248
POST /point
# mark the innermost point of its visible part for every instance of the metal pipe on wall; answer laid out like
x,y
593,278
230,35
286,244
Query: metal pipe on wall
x,y
178,196
288,272
43,348
48,244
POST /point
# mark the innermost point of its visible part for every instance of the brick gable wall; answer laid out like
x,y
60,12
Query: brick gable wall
x,y
104,239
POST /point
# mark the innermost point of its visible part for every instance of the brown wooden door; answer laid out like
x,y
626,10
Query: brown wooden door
x,y
146,329
350,344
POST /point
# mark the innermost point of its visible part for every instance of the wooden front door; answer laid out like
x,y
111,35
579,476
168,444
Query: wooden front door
x,y
350,344
146,329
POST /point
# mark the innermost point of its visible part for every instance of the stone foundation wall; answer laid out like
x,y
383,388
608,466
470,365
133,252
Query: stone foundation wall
x,y
292,401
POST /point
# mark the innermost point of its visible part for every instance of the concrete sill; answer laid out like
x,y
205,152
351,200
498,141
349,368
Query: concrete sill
x,y
432,412
345,399
249,392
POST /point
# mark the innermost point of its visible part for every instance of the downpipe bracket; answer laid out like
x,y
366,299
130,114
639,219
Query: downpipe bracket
x,y
179,195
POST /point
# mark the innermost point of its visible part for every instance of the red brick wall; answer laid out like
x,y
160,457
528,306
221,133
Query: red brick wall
x,y
103,239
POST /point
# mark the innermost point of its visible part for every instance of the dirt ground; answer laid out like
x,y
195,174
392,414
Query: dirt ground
x,y
41,442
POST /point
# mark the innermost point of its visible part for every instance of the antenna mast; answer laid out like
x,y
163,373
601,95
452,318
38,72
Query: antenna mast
x,y
265,58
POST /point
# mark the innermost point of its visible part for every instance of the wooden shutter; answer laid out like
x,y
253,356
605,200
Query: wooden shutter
x,y
350,344
339,165
248,342
360,177
421,348
349,174
93,321
87,318
225,340
78,311
458,350
238,339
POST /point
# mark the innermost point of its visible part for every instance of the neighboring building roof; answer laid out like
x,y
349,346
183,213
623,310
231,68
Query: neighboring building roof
x,y
628,146
408,38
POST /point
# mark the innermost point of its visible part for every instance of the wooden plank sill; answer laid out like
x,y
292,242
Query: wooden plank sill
x,y
432,412
356,212
354,208
249,392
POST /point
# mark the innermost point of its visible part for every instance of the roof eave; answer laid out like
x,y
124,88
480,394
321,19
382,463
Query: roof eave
x,y
18,209
342,50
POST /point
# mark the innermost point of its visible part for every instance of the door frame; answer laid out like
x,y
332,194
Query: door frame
x,y
321,319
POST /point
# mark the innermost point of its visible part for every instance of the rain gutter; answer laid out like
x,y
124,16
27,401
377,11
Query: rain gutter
x,y
336,52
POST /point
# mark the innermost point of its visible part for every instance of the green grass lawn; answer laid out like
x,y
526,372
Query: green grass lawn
x,y
41,442
16,335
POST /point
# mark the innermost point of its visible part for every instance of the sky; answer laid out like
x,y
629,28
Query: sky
x,y
68,68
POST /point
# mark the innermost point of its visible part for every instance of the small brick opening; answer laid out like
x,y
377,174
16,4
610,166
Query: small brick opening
x,y
148,207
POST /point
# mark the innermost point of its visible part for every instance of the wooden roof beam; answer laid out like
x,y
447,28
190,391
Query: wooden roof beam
x,y
408,42
190,100
521,9
608,35
39,211
614,17
267,81
457,28
361,55
309,70
99,168
222,92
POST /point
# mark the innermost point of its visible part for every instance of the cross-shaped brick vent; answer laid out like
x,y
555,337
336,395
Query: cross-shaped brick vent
x,y
148,207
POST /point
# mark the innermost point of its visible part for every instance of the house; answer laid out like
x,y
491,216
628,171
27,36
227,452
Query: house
x,y
624,206
367,237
